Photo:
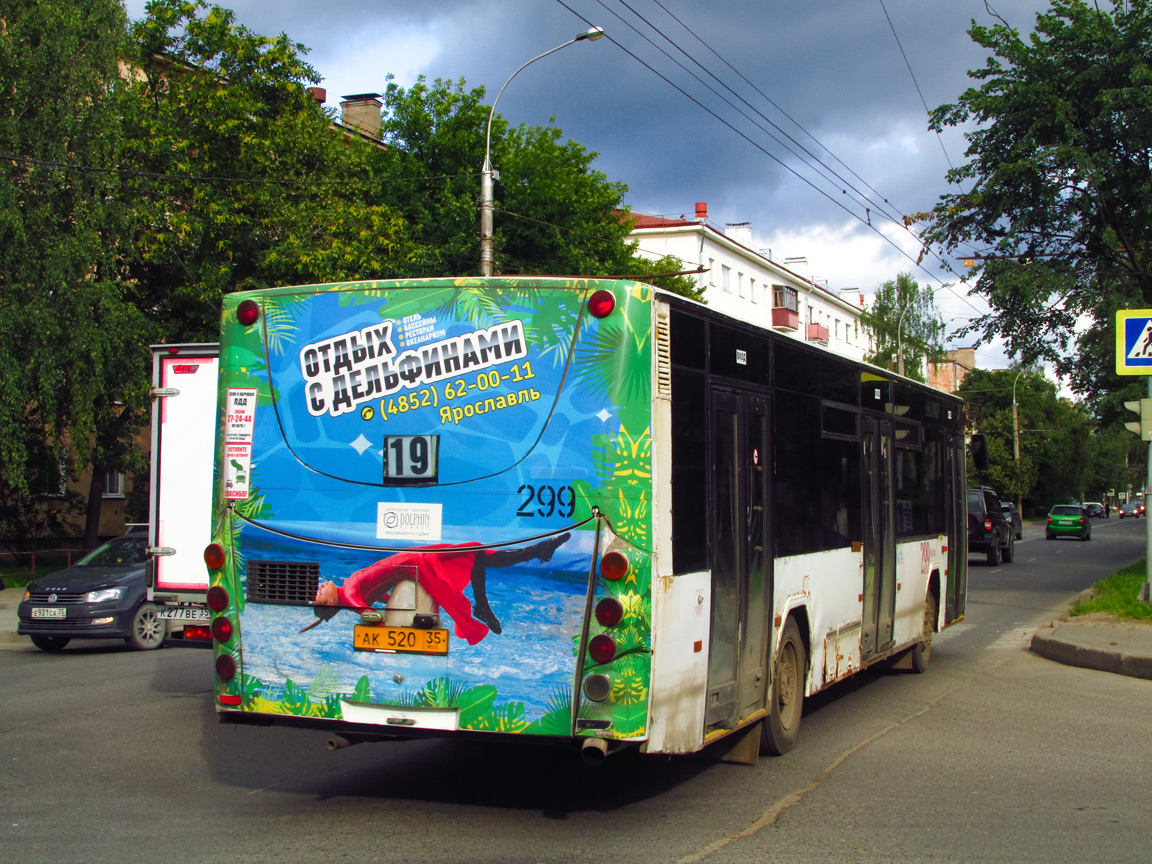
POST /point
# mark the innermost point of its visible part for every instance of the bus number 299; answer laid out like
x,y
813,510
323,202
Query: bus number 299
x,y
547,501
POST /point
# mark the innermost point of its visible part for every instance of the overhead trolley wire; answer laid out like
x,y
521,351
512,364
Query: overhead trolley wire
x,y
771,102
865,221
816,163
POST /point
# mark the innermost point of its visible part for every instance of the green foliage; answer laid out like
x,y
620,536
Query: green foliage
x,y
906,326
74,353
1061,459
1117,595
242,175
363,690
1057,192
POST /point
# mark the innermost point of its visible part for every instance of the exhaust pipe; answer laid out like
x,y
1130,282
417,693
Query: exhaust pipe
x,y
339,742
593,752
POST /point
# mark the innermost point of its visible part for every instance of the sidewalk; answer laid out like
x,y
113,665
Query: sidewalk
x,y
9,600
1098,641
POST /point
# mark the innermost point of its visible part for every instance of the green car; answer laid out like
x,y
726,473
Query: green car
x,y
1068,520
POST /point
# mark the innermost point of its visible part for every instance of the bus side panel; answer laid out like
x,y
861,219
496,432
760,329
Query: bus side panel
x,y
916,561
527,455
681,612
833,609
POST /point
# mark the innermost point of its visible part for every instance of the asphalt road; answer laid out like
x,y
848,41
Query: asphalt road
x,y
994,755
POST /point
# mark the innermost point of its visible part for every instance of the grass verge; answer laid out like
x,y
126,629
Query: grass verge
x,y
1116,595
15,577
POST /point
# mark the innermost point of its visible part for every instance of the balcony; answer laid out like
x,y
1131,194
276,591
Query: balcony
x,y
818,333
785,319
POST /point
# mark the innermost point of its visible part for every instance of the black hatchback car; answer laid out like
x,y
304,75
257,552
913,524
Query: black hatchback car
x,y
101,596
988,531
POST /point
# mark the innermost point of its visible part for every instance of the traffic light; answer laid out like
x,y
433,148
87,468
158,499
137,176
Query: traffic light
x,y
1143,428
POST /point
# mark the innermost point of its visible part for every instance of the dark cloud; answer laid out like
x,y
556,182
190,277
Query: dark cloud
x,y
834,66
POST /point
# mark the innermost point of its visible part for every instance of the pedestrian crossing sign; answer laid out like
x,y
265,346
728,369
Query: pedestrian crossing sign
x,y
1134,342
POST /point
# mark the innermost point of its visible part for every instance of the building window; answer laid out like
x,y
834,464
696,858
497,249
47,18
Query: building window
x,y
113,484
752,289
739,283
712,272
725,277
48,478
837,328
786,297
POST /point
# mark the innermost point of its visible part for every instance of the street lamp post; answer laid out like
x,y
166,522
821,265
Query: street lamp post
x,y
487,174
1016,440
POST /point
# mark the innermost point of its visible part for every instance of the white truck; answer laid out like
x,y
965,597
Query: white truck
x,y
184,379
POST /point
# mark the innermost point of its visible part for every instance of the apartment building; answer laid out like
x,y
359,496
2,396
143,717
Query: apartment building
x,y
747,283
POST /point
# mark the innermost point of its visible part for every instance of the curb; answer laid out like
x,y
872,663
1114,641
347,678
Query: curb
x,y
1117,662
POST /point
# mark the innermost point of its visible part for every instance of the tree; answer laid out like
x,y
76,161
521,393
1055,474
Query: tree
x,y
242,181
1058,187
906,327
555,213
73,352
1058,455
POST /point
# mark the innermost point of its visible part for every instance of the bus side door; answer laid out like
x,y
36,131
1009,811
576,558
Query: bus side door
x,y
741,565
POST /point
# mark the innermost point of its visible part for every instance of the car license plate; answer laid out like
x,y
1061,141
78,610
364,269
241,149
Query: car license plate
x,y
49,612
182,613
404,640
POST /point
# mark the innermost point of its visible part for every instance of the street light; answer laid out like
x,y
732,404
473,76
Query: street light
x,y
486,173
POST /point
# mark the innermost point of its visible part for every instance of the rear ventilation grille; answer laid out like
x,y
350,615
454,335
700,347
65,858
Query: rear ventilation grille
x,y
663,353
291,582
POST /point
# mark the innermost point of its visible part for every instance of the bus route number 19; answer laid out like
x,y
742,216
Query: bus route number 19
x,y
547,501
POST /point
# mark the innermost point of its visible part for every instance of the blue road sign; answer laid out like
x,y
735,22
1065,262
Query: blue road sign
x,y
1134,342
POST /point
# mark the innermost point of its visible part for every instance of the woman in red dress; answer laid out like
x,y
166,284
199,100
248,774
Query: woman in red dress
x,y
444,571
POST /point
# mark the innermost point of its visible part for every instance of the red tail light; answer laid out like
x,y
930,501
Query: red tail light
x,y
214,556
601,304
221,629
225,667
1049,520
197,631
217,599
987,524
602,648
609,612
1083,520
614,566
247,312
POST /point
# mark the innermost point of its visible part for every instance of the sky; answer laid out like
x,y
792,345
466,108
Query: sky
x,y
728,102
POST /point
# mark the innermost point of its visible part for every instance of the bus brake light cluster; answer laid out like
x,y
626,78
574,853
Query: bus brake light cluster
x,y
609,613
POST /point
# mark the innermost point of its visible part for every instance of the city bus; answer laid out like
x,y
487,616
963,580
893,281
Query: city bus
x,y
574,511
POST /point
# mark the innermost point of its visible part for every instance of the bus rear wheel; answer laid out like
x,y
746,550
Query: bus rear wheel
x,y
921,652
781,728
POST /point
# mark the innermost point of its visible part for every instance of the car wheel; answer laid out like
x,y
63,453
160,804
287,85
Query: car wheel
x,y
781,728
994,557
148,628
1049,536
50,643
921,652
1009,549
